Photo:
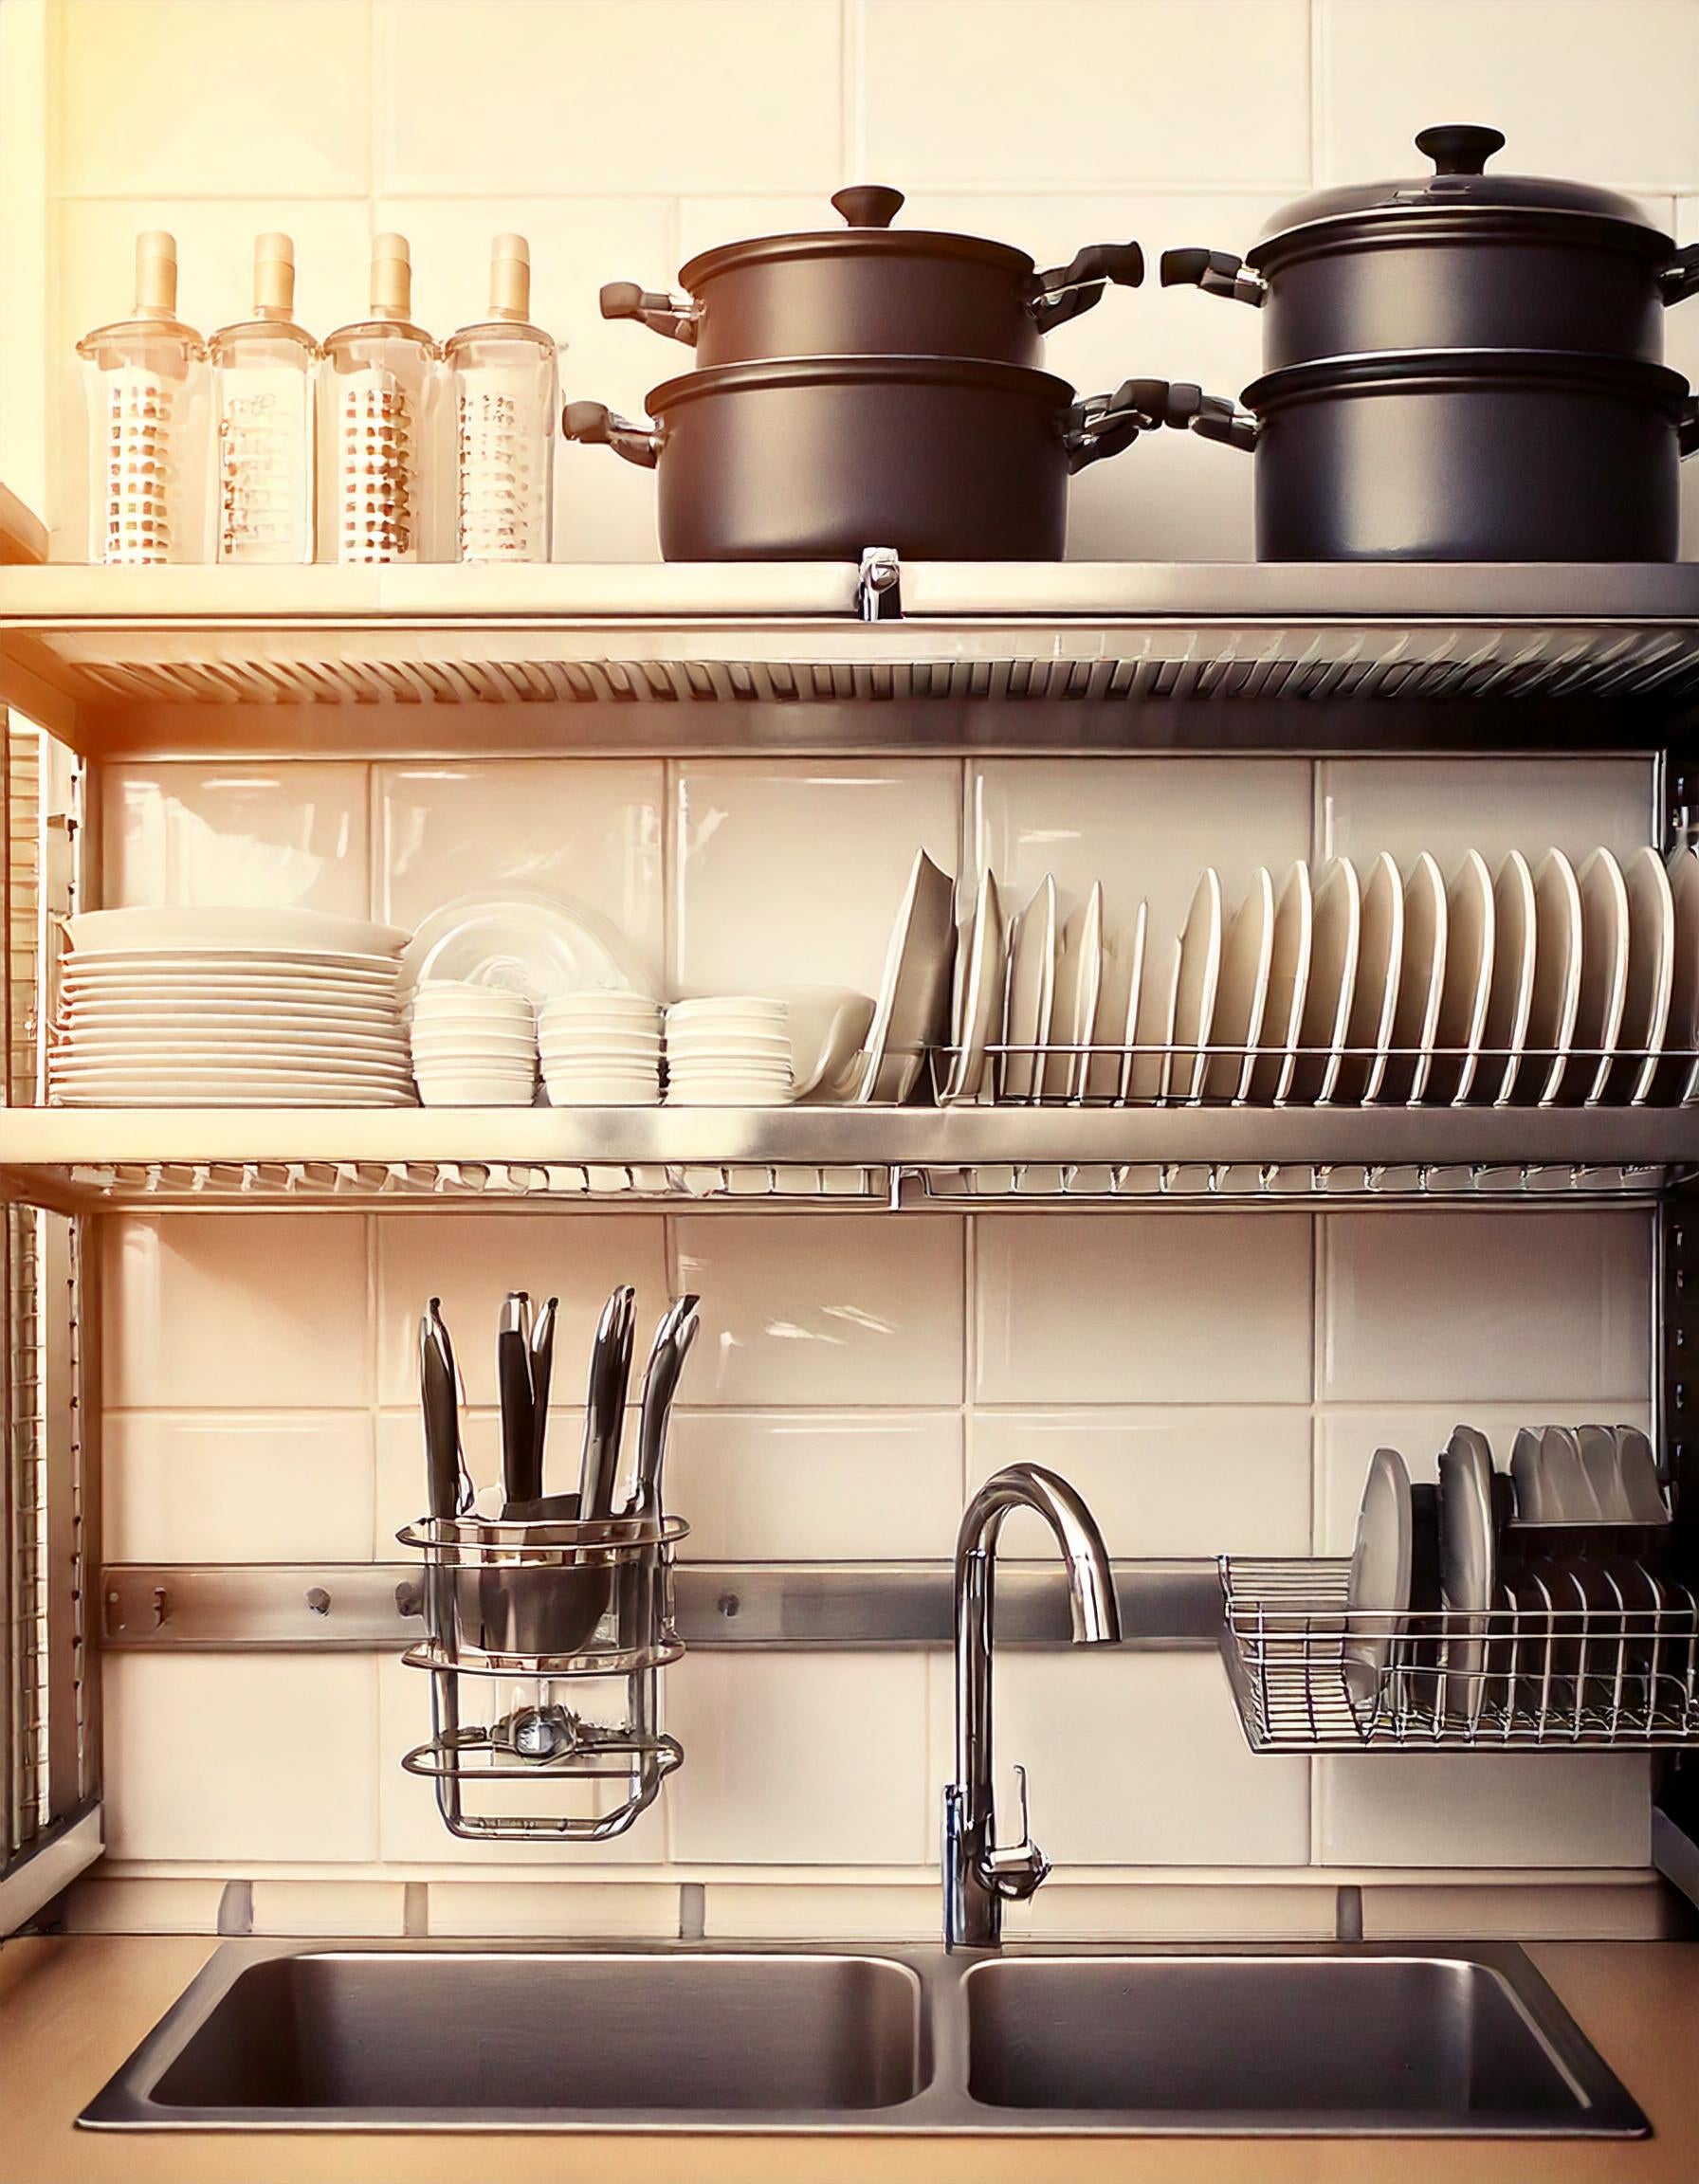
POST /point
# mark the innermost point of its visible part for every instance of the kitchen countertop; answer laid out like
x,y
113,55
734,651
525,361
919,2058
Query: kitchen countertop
x,y
71,2008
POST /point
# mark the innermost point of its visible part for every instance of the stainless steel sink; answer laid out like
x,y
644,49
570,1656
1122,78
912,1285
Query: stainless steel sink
x,y
399,2036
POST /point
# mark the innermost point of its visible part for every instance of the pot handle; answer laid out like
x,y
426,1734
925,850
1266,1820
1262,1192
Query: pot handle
x,y
1101,425
596,425
661,313
1680,277
1214,417
1216,272
1686,432
1068,290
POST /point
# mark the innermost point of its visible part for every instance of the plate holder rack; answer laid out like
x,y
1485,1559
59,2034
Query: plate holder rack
x,y
545,1641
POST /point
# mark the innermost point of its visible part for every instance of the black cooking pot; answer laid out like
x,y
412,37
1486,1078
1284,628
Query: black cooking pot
x,y
871,290
813,458
1459,259
1460,455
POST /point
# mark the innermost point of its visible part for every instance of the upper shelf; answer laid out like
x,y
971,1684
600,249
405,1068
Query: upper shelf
x,y
438,661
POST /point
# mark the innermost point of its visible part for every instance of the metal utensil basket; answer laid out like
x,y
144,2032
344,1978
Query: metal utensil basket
x,y
521,1609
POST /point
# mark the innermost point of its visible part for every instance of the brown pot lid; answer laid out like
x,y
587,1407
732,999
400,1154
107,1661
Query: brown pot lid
x,y
867,210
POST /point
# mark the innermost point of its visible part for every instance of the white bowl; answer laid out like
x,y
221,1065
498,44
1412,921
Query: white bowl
x,y
555,1042
469,993
601,1001
732,1092
603,1092
724,1047
450,1091
469,1039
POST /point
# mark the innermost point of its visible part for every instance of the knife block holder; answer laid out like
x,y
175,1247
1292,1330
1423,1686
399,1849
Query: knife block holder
x,y
544,1645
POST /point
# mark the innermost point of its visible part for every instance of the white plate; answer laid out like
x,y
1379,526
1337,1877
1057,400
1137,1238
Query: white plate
x,y
1468,1566
1378,1586
1195,987
1288,983
229,993
1602,1465
828,1031
1567,1493
1421,982
166,1083
1604,976
978,994
144,1096
1677,1078
1510,990
1640,1483
1153,1064
730,1092
1651,977
1557,978
1079,983
1375,996
253,1016
233,965
249,931
536,945
1528,1478
1336,936
912,1013
1242,993
1031,990
1109,1077
1471,920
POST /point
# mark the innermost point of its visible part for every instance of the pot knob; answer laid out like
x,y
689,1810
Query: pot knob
x,y
869,205
1460,147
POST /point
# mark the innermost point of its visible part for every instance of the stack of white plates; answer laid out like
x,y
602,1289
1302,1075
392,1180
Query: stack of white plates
x,y
601,1048
473,1045
733,1050
227,1008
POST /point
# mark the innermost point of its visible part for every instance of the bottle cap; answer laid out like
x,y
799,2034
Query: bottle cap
x,y
510,278
391,278
156,275
274,277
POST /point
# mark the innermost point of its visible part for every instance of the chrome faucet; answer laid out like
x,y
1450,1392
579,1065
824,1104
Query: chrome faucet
x,y
980,1875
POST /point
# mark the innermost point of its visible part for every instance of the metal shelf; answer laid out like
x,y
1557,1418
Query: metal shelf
x,y
1077,655
822,1157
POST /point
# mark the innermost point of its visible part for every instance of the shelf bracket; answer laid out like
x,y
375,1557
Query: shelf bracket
x,y
879,588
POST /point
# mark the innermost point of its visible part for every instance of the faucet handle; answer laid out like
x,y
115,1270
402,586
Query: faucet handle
x,y
1015,1870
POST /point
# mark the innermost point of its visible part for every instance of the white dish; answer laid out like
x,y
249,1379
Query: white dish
x,y
246,1048
1677,1078
1421,982
1557,979
1604,976
246,1015
828,1028
1031,992
1471,919
1242,994
722,1008
913,1010
1527,1478
1510,989
234,966
233,928
1288,985
1197,982
1336,939
1378,1591
1079,983
1641,1483
590,1001
1375,992
1108,1079
1651,977
1602,1465
1567,1493
731,1092
1467,1567
228,1095
280,982
1153,1063
450,1091
535,945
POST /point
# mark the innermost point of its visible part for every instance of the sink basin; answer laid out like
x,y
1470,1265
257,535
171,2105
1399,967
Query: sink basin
x,y
297,2036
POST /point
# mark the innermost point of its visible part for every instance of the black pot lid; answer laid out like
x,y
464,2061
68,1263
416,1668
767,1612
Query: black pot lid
x,y
1459,181
867,210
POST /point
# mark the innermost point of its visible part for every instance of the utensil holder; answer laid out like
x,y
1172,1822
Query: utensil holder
x,y
563,1628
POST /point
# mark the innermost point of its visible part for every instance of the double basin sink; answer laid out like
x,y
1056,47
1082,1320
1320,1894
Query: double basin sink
x,y
1343,2041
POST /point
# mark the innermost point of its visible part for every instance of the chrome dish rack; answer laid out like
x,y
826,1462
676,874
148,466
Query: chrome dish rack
x,y
544,1647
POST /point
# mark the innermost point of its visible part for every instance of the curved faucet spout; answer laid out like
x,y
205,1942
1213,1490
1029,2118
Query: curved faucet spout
x,y
980,1874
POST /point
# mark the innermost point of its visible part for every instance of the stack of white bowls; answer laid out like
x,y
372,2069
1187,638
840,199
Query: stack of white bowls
x,y
473,1045
601,1048
732,1050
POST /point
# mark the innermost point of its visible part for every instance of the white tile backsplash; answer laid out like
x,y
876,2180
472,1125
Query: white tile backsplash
x,y
291,836
1482,1809
1447,806
236,1486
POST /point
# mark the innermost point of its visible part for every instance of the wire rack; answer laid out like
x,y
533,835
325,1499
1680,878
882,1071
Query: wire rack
x,y
1608,1661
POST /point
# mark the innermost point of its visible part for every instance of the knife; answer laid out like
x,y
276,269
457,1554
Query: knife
x,y
542,1366
448,1485
672,1342
513,1377
605,1404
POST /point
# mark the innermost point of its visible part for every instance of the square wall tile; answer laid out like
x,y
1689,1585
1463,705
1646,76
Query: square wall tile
x,y
1627,1911
259,835
815,1486
800,1759
791,875
1187,1911
1085,94
584,831
236,1486
1467,1307
530,95
818,1911
241,1756
1446,806
1346,1440
1482,1809
233,1312
1133,1759
597,1911
815,1308
1143,1308
357,1908
401,1492
176,94
1593,88
472,1264
1146,828
1162,1483
94,1906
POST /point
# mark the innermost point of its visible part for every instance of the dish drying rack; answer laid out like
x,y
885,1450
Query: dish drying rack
x,y
544,1646
1551,1670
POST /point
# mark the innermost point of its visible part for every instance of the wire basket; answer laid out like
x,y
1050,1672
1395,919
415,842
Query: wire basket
x,y
1606,1659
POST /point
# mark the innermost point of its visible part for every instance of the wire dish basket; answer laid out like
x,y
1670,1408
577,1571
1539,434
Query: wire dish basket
x,y
1605,1658
544,1646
